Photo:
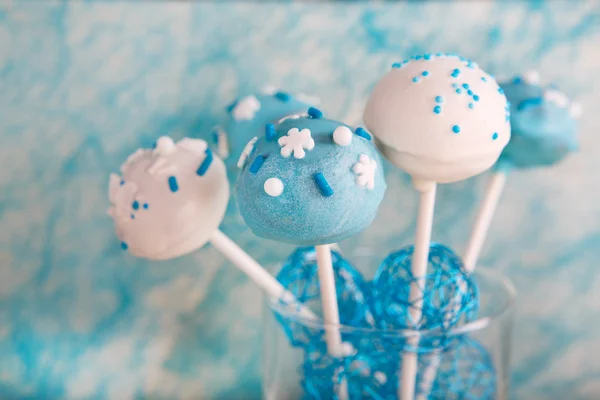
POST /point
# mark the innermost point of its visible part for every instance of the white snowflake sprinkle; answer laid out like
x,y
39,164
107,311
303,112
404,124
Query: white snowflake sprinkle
x,y
246,152
246,108
556,97
531,77
365,171
295,142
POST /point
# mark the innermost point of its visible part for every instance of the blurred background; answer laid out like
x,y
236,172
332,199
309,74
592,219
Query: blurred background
x,y
83,84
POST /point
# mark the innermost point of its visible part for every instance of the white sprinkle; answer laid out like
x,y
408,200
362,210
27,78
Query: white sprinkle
x,y
246,108
365,171
164,146
273,187
342,136
269,90
381,377
532,77
196,146
295,142
246,152
348,349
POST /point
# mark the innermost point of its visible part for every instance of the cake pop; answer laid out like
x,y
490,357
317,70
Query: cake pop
x,y
247,116
544,131
170,201
312,181
442,119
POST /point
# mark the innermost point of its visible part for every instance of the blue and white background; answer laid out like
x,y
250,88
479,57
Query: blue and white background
x,y
83,84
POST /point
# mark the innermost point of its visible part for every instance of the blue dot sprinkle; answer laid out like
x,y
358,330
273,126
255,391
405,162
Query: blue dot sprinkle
x,y
122,182
483,78
427,56
132,216
517,80
396,65
362,133
205,163
256,164
124,246
459,90
283,96
230,107
173,184
437,109
145,206
471,105
455,73
322,184
315,113
470,92
500,90
439,99
215,137
270,132
455,85
465,85
476,98
495,136
135,205
154,145
456,129
415,79
425,73
418,57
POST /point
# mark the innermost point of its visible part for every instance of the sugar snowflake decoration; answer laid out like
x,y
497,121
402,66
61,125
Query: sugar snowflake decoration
x,y
246,108
295,142
246,152
365,171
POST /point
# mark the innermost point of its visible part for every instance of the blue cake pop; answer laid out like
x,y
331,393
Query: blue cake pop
x,y
543,124
463,372
247,116
300,277
310,181
450,295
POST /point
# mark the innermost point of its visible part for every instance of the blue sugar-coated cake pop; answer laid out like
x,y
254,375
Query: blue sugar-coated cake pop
x,y
247,116
543,124
463,372
310,181
299,276
368,375
450,295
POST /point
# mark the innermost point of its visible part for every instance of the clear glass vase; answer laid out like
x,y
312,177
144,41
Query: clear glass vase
x,y
469,361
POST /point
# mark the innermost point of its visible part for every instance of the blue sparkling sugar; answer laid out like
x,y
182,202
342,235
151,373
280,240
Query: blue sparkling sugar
x,y
302,215
272,109
208,159
450,294
542,133
173,186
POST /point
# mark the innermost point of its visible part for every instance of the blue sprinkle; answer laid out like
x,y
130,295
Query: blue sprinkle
x,y
427,56
437,109
145,206
283,96
517,80
476,97
362,133
257,163
465,85
471,105
173,184
322,184
439,99
396,65
470,92
455,73
122,182
456,129
455,85
124,246
132,216
415,79
230,107
532,102
425,73
154,145
135,205
495,136
270,132
315,113
500,90
215,137
205,163
418,57
459,90
483,78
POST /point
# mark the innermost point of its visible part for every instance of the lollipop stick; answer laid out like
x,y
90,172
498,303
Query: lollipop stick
x,y
483,219
256,273
419,270
331,314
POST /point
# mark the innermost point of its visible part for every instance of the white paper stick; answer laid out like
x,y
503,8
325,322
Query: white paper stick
x,y
331,314
483,219
420,259
256,273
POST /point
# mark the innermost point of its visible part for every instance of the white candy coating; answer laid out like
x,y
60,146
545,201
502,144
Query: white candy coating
x,y
434,128
170,200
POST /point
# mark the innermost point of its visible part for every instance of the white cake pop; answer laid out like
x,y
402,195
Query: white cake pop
x,y
440,118
170,200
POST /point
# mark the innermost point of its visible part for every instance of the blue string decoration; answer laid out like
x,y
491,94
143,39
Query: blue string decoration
x,y
450,297
299,276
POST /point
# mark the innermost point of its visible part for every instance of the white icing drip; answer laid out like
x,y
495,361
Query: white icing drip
x,y
246,152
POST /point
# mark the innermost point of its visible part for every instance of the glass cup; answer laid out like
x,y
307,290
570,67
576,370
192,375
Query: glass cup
x,y
469,361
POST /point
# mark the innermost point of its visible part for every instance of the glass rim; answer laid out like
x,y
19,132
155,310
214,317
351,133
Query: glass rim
x,y
292,313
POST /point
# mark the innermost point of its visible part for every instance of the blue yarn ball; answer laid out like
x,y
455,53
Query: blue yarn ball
x,y
465,371
299,275
450,295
